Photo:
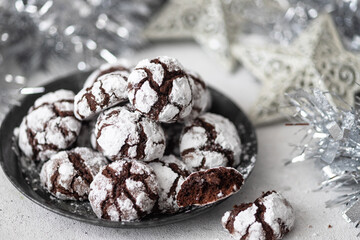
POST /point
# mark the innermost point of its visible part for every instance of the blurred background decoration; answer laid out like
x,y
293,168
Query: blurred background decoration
x,y
58,37
37,34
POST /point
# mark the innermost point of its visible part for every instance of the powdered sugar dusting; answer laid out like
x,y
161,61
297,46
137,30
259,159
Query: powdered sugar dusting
x,y
194,143
120,126
278,213
54,97
108,90
243,220
106,68
169,179
49,126
200,94
269,217
61,178
160,89
131,200
145,98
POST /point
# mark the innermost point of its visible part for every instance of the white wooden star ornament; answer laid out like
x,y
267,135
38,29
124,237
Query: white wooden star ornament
x,y
316,58
214,24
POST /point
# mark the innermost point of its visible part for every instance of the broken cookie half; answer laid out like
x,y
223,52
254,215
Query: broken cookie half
x,y
208,186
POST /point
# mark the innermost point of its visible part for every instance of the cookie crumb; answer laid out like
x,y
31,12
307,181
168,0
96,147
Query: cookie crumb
x,y
330,226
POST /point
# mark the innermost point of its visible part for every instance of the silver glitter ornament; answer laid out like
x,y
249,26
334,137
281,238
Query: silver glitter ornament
x,y
316,53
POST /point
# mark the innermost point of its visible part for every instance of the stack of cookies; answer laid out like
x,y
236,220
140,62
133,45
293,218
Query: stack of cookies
x,y
155,149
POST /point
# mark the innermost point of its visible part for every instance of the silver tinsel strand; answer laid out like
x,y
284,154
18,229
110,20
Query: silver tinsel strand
x,y
333,140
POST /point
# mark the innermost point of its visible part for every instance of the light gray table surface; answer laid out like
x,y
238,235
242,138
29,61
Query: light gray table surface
x,y
22,219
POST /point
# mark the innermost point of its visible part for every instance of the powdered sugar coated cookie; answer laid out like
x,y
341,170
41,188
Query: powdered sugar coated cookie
x,y
210,141
171,173
124,191
123,133
160,89
49,126
68,174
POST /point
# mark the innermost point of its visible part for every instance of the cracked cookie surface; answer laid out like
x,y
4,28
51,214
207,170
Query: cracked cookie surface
x,y
270,217
49,126
105,69
123,133
108,90
160,89
68,174
201,95
171,173
210,141
124,191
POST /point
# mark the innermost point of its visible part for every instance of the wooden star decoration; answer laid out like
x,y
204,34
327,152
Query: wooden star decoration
x,y
316,58
214,24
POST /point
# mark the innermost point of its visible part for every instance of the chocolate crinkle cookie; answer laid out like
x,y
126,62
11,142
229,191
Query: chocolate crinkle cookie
x,y
205,187
210,141
49,126
124,191
201,95
160,89
123,133
68,174
105,69
170,173
108,90
270,217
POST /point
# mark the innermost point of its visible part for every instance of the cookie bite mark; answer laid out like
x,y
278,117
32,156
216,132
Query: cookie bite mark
x,y
205,187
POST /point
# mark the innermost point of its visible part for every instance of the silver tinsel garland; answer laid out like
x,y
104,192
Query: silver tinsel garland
x,y
333,140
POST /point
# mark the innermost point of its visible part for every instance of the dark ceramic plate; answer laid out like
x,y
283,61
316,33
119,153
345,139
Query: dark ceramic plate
x,y
25,179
